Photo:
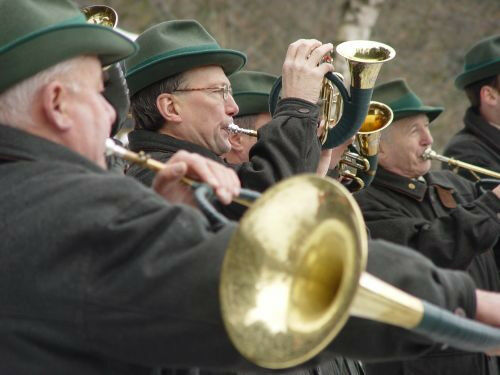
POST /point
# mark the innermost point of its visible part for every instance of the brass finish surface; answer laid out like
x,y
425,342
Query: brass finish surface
x,y
379,117
433,155
291,271
101,15
379,301
365,59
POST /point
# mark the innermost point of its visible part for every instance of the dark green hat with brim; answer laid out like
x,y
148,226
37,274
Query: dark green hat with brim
x,y
174,47
251,91
403,101
37,34
482,61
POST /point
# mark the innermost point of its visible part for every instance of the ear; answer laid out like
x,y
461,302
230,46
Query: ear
x,y
168,107
55,102
236,142
488,95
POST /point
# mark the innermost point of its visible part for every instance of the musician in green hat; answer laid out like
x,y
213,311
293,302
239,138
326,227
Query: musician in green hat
x,y
437,213
478,142
100,275
182,99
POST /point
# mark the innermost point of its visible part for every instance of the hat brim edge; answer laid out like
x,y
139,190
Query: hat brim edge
x,y
105,43
231,61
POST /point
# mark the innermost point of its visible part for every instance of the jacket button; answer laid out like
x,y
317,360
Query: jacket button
x,y
303,110
412,186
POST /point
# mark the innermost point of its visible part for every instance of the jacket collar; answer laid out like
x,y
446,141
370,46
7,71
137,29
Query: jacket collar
x,y
476,125
148,141
16,144
413,188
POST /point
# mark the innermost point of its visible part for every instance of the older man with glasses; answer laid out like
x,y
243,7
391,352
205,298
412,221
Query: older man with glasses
x,y
181,99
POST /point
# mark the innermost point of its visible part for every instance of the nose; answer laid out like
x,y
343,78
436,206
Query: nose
x,y
427,139
231,106
110,112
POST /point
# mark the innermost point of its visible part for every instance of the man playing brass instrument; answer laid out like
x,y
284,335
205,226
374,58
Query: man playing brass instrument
x,y
438,214
478,142
102,276
181,99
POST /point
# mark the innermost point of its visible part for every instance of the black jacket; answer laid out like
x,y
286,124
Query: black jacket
x,y
477,143
444,219
288,145
100,275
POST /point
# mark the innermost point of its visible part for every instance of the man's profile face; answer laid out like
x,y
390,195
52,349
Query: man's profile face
x,y
205,114
401,150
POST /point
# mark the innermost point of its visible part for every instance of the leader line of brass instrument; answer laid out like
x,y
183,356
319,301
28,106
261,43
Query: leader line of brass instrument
x,y
429,154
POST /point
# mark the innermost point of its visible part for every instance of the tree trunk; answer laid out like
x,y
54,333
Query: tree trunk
x,y
359,18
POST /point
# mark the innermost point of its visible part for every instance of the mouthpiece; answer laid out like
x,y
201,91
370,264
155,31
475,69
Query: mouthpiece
x,y
233,128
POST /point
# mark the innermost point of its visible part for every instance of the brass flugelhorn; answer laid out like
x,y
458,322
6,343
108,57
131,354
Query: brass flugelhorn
x,y
362,166
429,154
294,272
365,59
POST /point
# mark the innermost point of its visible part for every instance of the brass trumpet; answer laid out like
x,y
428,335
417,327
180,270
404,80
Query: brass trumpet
x,y
362,166
429,154
290,282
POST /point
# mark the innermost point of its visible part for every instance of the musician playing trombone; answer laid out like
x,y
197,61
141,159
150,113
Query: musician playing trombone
x,y
103,276
439,214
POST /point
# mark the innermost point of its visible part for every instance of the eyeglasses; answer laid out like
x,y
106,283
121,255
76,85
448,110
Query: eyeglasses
x,y
225,90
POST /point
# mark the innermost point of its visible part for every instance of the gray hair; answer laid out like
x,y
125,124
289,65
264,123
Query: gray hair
x,y
16,103
143,104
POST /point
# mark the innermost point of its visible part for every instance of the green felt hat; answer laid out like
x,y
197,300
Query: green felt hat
x,y
37,34
174,47
251,91
403,101
482,61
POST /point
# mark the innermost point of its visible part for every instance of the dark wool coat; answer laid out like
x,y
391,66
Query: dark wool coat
x,y
444,219
99,275
288,145
477,143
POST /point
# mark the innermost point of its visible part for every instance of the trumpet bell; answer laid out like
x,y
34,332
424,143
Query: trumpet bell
x,y
365,59
288,280
379,117
101,15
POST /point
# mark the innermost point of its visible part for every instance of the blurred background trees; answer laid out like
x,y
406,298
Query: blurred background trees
x,y
430,36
